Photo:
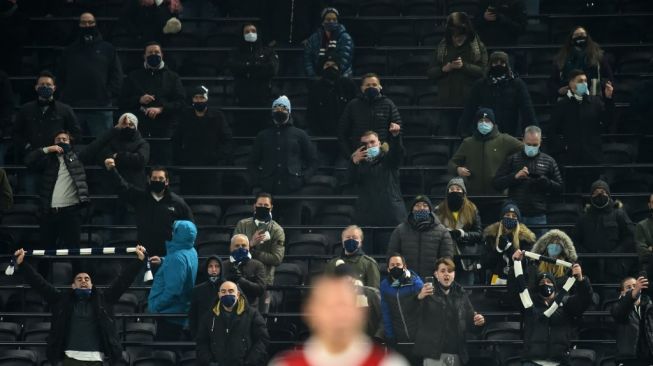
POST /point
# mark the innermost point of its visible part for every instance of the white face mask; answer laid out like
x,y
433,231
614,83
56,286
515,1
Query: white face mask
x,y
250,37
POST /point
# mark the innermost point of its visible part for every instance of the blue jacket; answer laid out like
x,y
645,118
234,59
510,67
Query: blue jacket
x,y
399,307
173,283
344,50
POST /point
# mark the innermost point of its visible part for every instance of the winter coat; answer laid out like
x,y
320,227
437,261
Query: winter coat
x,y
327,101
568,254
90,74
366,267
239,339
433,313
628,325
454,86
607,230
510,101
644,240
421,243
35,129
204,297
61,304
509,25
319,41
372,303
282,159
379,196
253,66
173,282
249,276
469,243
203,140
529,194
362,115
483,155
576,128
399,306
132,155
495,261
271,252
6,193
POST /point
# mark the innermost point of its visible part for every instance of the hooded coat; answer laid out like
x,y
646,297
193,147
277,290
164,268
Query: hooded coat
x,y
173,283
399,306
568,254
318,40
204,297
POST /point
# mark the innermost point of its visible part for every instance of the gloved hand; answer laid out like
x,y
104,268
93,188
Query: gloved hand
x,y
456,234
234,275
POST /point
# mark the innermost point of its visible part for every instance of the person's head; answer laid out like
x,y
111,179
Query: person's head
x,y
546,287
485,120
82,280
422,209
332,314
627,285
600,194
396,260
445,272
330,67
330,19
250,33
510,216
128,123
370,139
499,65
159,179
87,20
532,141
578,82
458,29
239,241
200,98
650,202
579,39
371,85
153,55
45,85
62,137
213,267
263,206
352,238
228,294
281,110
456,194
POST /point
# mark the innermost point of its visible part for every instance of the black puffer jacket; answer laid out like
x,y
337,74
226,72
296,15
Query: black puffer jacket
x,y
61,303
629,323
35,129
529,194
204,297
361,115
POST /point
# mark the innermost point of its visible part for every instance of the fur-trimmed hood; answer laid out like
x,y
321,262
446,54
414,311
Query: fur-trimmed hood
x,y
616,204
560,237
525,233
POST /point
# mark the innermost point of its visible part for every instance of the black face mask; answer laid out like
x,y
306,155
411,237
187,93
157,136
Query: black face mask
x,y
546,290
127,132
279,117
600,201
157,186
498,71
89,34
66,147
396,273
262,213
580,42
331,73
455,200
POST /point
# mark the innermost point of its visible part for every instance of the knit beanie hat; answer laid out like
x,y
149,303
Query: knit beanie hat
x,y
200,90
600,184
326,11
131,117
498,56
457,181
282,101
546,275
425,199
173,26
485,112
511,207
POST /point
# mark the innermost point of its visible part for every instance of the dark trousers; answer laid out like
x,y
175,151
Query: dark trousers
x,y
60,228
168,332
72,362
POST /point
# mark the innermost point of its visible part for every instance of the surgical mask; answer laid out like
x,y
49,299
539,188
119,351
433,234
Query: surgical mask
x,y
200,106
371,93
66,147
240,255
455,200
580,42
485,127
581,89
331,26
509,223
554,249
127,132
157,186
331,73
351,245
250,37
531,151
279,117
262,213
396,273
600,201
153,60
373,152
498,71
214,279
421,215
45,92
82,293
546,290
228,300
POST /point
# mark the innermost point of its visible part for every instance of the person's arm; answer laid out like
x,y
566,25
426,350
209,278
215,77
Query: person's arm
x,y
203,344
115,77
130,96
225,140
345,52
254,286
119,285
474,233
394,246
555,178
310,53
134,160
344,131
387,321
266,68
476,69
621,309
373,276
71,124
396,153
274,257
260,338
642,244
173,282
395,117
127,191
626,233
446,245
175,101
458,159
183,211
579,302
505,175
38,283
6,193
434,70
515,22
36,159
608,115
309,155
525,105
90,153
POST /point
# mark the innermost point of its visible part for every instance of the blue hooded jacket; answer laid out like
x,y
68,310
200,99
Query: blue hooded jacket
x,y
173,283
399,307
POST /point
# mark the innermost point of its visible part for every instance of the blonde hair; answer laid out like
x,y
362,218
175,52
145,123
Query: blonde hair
x,y
515,236
557,271
353,227
467,214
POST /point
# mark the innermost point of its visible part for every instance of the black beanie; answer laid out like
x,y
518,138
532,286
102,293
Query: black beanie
x,y
423,198
600,184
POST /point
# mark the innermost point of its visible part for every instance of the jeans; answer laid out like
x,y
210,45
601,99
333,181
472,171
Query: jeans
x,y
535,220
95,123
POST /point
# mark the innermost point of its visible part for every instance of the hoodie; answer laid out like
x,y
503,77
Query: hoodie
x,y
173,282
204,296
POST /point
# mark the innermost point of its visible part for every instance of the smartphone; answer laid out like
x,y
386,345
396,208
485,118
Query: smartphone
x,y
429,279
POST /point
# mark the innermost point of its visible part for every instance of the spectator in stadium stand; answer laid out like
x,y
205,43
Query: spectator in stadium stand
x,y
501,22
283,157
580,52
90,75
205,295
6,192
374,170
203,138
605,227
633,313
82,330
580,114
421,238
644,239
547,339
399,304
157,208
233,333
367,298
460,59
266,238
530,176
554,244
145,20
458,214
328,97
248,273
6,108
37,121
445,315
502,239
505,93
154,94
172,288
337,331
479,156
352,253
369,111
330,34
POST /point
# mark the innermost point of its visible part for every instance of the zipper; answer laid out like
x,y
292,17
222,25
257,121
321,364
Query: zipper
x,y
401,312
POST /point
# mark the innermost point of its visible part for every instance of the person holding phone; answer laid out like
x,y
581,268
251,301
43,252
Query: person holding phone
x,y
501,22
633,314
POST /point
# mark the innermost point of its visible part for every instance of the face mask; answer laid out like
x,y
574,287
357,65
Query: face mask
x,y
455,200
82,293
262,213
214,279
351,245
240,255
153,61
421,215
250,37
228,300
371,93
546,290
331,73
600,201
45,92
127,132
331,26
581,89
200,106
531,151
650,211
509,223
373,152
157,186
88,34
279,117
66,147
485,127
396,273
580,42
554,249
497,71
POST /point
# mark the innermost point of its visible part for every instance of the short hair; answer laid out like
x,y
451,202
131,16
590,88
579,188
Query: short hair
x,y
623,282
263,195
46,74
370,75
573,73
533,130
403,260
159,168
233,238
70,137
368,133
353,227
152,43
447,262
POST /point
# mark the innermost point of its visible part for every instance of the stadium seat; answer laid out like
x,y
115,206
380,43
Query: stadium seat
x,y
9,332
319,185
335,215
217,244
379,8
399,94
411,66
206,214
189,358
157,358
419,7
138,332
562,213
287,274
307,244
235,213
582,357
370,63
17,357
430,155
618,153
398,35
504,331
127,304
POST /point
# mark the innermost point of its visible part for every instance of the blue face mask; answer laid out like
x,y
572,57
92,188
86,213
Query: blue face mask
x,y
228,300
153,61
531,151
240,255
331,26
45,92
509,223
421,215
82,293
485,127
373,152
581,89
371,92
351,245
554,249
